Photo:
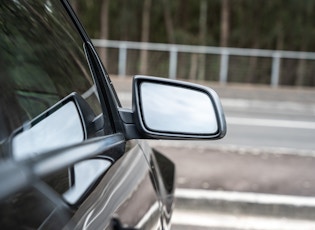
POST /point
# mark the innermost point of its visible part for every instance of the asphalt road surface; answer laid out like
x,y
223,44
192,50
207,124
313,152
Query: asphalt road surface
x,y
259,118
286,125
269,148
213,169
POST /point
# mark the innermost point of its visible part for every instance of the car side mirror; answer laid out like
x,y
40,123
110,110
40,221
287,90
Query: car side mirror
x,y
66,123
168,109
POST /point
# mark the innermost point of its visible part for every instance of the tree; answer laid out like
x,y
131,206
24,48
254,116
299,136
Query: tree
x,y
280,25
145,35
202,37
225,15
305,18
168,21
104,18
75,6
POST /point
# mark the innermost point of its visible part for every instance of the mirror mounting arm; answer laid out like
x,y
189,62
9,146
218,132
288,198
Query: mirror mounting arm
x,y
131,131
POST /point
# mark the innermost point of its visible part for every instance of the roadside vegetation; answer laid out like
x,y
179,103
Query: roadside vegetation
x,y
268,24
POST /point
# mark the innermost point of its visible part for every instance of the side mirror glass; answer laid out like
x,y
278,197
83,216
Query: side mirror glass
x,y
177,109
174,109
49,131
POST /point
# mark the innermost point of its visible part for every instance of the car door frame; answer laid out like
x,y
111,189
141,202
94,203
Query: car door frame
x,y
108,96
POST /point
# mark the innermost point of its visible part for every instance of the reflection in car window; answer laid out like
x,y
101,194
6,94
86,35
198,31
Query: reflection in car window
x,y
49,133
31,209
42,61
85,175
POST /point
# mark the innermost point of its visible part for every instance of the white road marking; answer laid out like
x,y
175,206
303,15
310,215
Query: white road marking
x,y
257,198
214,219
228,221
270,123
268,105
240,149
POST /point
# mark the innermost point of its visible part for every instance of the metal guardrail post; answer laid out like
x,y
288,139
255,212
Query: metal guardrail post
x,y
173,63
224,66
275,69
122,59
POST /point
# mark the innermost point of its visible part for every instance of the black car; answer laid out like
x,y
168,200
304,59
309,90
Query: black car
x,y
71,156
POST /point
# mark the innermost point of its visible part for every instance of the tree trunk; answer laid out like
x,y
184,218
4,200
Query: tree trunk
x,y
252,76
104,29
145,36
202,38
285,72
300,72
75,6
301,69
225,15
193,66
168,22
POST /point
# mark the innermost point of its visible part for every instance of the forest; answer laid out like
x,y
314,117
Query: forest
x,y
261,24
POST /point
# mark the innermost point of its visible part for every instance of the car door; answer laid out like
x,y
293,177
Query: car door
x,y
125,197
60,130
70,156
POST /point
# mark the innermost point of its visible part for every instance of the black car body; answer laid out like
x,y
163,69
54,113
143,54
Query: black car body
x,y
71,156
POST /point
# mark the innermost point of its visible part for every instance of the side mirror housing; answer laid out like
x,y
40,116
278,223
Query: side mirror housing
x,y
169,109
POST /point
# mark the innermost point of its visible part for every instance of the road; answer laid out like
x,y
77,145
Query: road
x,y
269,149
258,118
270,124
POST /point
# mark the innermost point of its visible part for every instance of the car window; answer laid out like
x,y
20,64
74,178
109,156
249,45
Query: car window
x,y
85,174
32,210
47,92
42,61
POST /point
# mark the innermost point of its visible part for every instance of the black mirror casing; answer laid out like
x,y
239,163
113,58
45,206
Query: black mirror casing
x,y
150,128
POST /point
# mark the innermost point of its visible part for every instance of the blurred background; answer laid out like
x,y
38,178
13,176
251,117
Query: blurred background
x,y
268,25
259,57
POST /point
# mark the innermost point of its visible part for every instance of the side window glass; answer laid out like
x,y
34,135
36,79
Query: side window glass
x,y
31,209
85,174
38,69
42,66
74,183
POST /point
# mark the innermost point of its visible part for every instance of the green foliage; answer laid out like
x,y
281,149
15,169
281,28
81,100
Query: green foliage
x,y
268,24
260,24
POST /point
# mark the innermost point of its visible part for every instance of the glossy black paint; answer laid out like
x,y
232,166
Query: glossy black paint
x,y
108,179
128,195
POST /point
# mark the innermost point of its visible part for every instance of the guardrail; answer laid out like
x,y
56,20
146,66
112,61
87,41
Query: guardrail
x,y
225,53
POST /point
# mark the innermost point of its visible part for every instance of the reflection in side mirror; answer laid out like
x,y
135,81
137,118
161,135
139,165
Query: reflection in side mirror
x,y
48,132
167,108
177,110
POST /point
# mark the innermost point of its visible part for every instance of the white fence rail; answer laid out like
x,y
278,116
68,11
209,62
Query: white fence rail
x,y
275,55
